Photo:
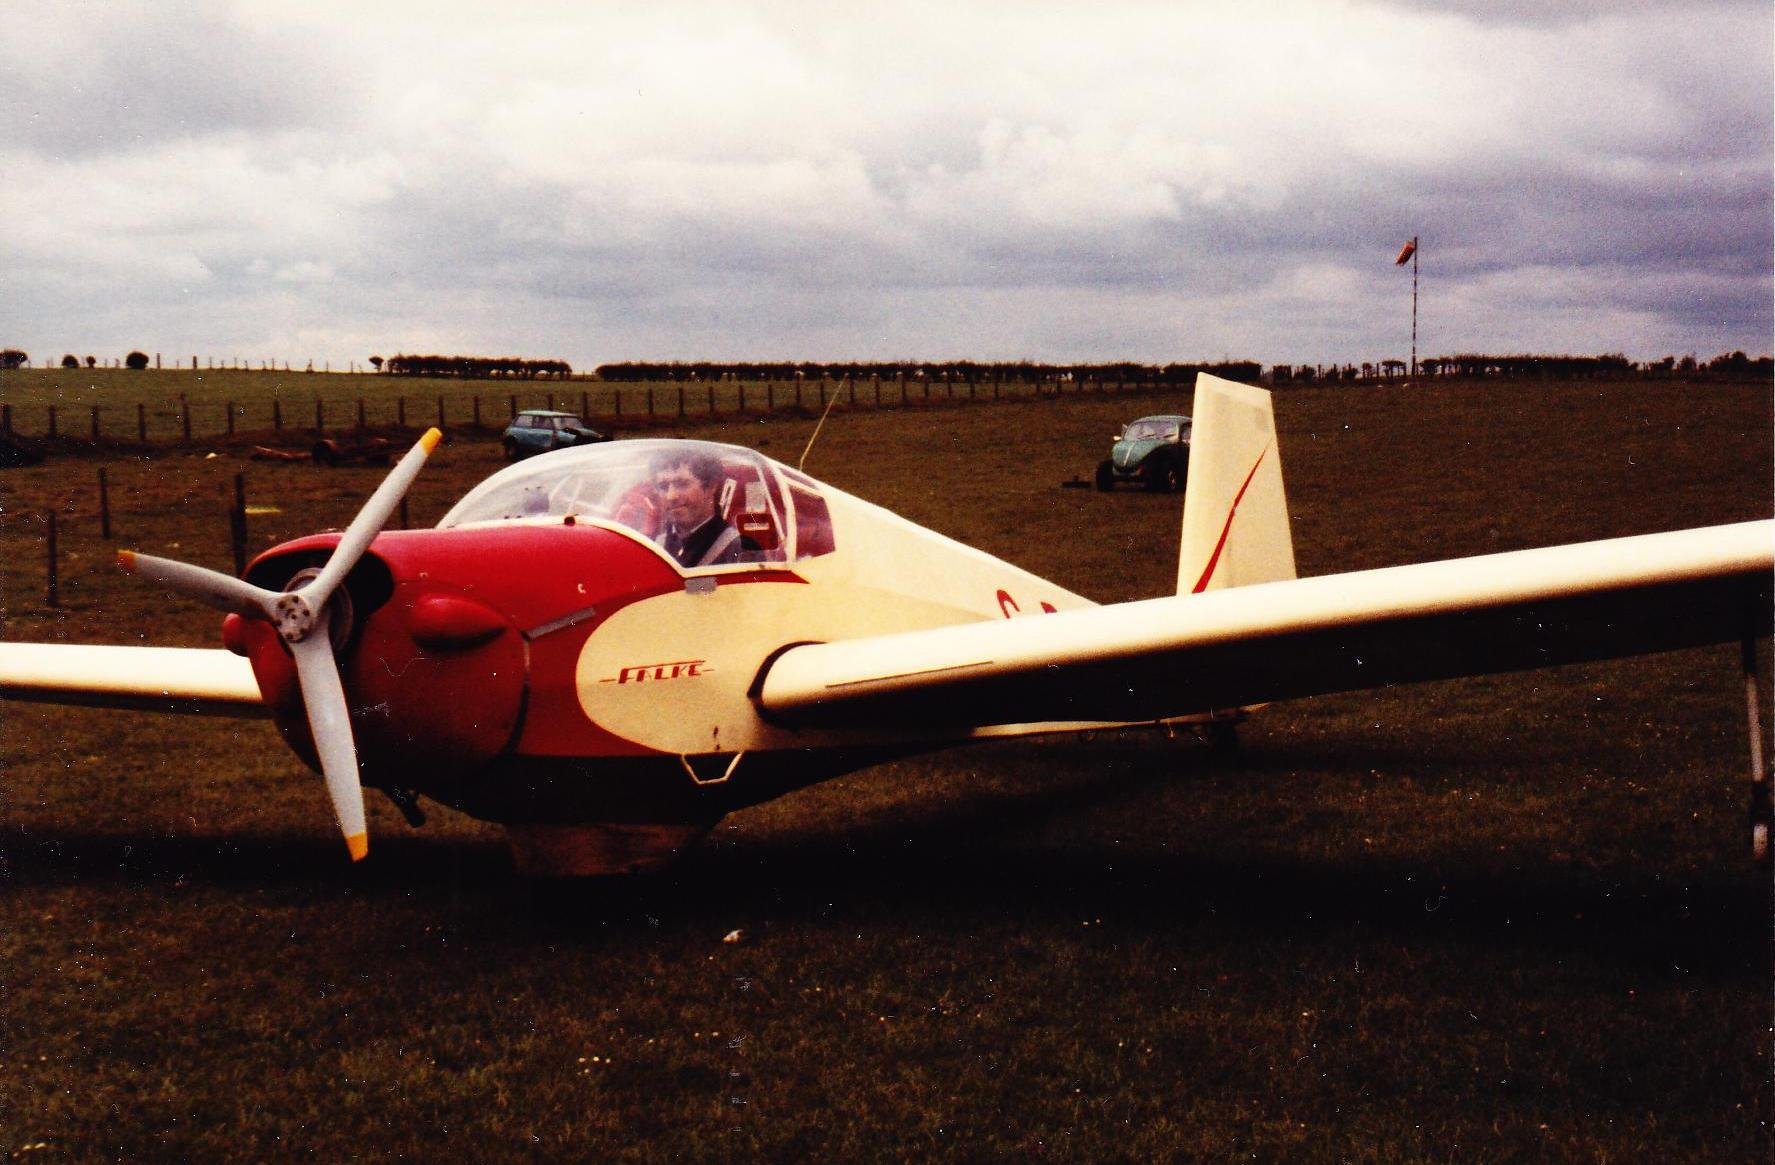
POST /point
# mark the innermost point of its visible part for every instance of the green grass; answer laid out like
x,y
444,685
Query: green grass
x,y
1509,917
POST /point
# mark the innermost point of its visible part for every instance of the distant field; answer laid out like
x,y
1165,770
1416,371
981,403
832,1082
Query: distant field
x,y
1502,918
154,404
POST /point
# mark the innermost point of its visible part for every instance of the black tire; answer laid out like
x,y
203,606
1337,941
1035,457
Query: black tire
x,y
1106,476
1161,474
511,449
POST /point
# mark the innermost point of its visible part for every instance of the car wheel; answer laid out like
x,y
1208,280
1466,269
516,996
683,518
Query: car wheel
x,y
512,452
1161,475
1106,476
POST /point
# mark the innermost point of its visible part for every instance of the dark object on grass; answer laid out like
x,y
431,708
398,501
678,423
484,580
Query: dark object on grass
x,y
330,451
16,451
136,361
267,453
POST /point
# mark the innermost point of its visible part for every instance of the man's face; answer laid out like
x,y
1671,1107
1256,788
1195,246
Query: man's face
x,y
687,501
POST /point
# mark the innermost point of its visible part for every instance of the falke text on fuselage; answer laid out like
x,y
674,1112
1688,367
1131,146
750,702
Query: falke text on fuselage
x,y
676,670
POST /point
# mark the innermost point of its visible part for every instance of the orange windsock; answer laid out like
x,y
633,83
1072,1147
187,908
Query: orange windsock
x,y
1406,252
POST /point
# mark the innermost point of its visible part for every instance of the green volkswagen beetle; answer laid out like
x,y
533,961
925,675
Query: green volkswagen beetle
x,y
1153,451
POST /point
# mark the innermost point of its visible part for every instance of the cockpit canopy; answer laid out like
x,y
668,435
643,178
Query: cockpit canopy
x,y
779,513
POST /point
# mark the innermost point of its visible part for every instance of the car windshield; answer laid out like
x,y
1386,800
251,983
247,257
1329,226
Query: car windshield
x,y
1151,429
778,516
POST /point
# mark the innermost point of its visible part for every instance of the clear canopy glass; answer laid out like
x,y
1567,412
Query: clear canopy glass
x,y
779,514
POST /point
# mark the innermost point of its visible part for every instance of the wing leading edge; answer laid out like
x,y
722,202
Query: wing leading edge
x,y
1278,640
161,679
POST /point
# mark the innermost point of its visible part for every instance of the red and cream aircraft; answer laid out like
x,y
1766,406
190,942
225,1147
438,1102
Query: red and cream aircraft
x,y
540,659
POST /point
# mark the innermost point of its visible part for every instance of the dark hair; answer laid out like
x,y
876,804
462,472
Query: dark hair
x,y
705,466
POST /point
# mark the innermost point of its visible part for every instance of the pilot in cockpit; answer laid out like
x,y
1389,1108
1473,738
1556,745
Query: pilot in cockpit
x,y
687,483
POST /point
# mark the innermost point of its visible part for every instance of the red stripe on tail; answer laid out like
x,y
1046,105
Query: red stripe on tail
x,y
1214,559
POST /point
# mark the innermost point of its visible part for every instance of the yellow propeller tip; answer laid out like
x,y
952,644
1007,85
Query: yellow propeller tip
x,y
431,439
359,845
127,560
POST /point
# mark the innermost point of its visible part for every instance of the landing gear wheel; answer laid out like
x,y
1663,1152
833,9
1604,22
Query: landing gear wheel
x,y
1106,476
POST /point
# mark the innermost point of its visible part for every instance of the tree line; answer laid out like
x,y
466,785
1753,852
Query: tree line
x,y
473,367
1733,364
955,371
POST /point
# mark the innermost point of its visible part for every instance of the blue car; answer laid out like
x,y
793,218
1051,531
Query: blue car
x,y
539,430
1153,451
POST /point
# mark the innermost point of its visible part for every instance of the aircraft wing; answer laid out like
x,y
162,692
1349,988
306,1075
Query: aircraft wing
x,y
1299,637
162,679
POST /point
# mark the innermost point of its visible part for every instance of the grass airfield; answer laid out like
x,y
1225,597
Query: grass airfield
x,y
1511,917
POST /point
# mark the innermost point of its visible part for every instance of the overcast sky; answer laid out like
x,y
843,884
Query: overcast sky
x,y
1067,181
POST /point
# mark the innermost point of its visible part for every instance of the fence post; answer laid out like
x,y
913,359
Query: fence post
x,y
320,417
477,410
650,402
104,506
51,594
5,418
185,418
711,398
237,525
514,404
550,397
770,396
52,422
400,412
742,385
277,414
585,404
141,421
680,402
231,418
95,422
360,413
618,402
440,412
404,523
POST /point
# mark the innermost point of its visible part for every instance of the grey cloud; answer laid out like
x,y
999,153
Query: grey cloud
x,y
125,80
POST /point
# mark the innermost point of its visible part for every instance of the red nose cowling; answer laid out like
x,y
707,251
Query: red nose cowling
x,y
434,679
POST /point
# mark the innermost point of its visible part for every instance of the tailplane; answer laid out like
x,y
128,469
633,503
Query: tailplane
x,y
1235,515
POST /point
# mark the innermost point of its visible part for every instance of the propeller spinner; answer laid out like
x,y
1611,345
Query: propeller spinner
x,y
298,614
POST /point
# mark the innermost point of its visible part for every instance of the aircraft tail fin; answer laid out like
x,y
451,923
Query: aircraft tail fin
x,y
1235,514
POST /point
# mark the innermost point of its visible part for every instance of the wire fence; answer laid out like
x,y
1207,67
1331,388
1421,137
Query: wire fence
x,y
284,416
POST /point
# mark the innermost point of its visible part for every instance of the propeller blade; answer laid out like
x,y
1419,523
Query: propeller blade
x,y
370,520
221,591
324,697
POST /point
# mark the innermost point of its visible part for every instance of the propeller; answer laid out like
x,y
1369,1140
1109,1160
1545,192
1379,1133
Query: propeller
x,y
297,614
